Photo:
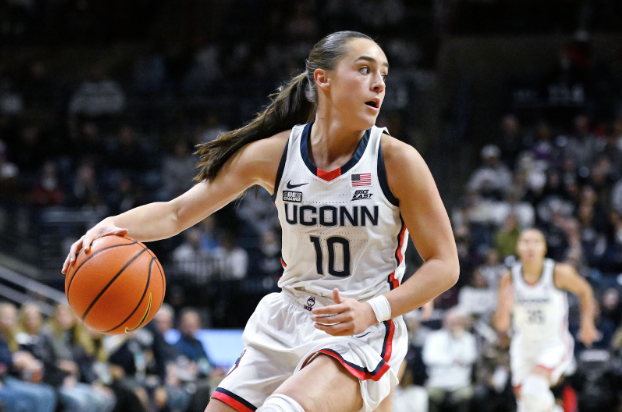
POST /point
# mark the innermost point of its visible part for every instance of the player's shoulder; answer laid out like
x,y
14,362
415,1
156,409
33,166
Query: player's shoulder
x,y
563,269
272,143
396,151
264,151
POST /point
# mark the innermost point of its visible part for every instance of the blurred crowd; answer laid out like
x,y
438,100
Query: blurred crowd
x,y
82,130
567,183
57,364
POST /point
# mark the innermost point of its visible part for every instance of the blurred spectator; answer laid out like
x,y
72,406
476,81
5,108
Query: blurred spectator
x,y
257,213
477,299
543,148
150,73
128,364
612,152
47,190
15,392
189,346
165,319
85,190
74,396
493,178
191,259
492,269
611,308
612,260
597,381
128,153
232,259
74,352
178,170
524,211
209,241
510,141
593,242
125,196
89,146
582,145
97,96
449,355
493,390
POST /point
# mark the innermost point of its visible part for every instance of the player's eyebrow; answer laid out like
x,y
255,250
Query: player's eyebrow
x,y
371,60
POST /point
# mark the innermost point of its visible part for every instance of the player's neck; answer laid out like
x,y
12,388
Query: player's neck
x,y
332,143
532,270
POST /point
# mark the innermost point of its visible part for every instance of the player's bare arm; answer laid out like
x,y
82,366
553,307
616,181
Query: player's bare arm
x,y
567,278
424,214
254,164
505,296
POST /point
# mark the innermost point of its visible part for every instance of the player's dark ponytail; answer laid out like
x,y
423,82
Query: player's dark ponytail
x,y
292,104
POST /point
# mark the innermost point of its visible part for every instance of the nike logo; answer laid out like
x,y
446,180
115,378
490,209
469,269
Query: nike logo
x,y
291,186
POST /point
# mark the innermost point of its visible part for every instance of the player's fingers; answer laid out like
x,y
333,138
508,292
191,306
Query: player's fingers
x,y
339,329
120,232
73,252
331,319
336,296
65,265
330,310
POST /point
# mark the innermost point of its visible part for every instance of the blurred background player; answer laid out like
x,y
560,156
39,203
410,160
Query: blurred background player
x,y
533,297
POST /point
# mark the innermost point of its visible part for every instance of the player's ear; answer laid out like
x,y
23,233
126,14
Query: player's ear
x,y
322,79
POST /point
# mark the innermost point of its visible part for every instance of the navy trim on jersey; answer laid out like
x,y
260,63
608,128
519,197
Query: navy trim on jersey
x,y
382,178
387,326
237,398
362,372
354,365
304,152
279,172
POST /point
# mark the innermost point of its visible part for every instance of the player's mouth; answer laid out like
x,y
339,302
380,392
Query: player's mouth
x,y
373,104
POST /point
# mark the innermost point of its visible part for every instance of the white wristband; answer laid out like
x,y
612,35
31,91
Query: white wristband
x,y
381,307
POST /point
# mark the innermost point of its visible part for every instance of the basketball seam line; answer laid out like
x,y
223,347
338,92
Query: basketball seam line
x,y
139,302
89,258
110,283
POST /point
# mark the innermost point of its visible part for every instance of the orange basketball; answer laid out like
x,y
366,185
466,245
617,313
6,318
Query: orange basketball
x,y
117,287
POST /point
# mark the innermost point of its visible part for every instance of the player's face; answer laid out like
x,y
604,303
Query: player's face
x,y
358,83
531,246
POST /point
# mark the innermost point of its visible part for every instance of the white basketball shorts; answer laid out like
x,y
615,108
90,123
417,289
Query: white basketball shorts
x,y
555,355
280,340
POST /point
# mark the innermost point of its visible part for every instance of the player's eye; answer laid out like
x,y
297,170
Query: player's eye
x,y
364,70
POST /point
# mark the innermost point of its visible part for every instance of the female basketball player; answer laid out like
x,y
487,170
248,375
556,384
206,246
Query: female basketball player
x,y
542,348
333,339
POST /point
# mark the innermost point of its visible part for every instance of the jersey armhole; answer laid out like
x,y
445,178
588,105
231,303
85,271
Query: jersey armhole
x,y
382,178
279,172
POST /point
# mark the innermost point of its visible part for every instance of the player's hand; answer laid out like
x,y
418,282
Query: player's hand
x,y
346,317
103,228
588,334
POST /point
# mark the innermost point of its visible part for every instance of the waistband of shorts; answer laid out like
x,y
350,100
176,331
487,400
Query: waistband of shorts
x,y
305,301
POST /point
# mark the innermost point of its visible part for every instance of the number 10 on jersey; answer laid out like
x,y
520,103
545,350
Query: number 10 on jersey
x,y
332,244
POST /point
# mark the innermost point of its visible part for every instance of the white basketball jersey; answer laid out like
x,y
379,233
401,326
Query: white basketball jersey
x,y
341,229
540,310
